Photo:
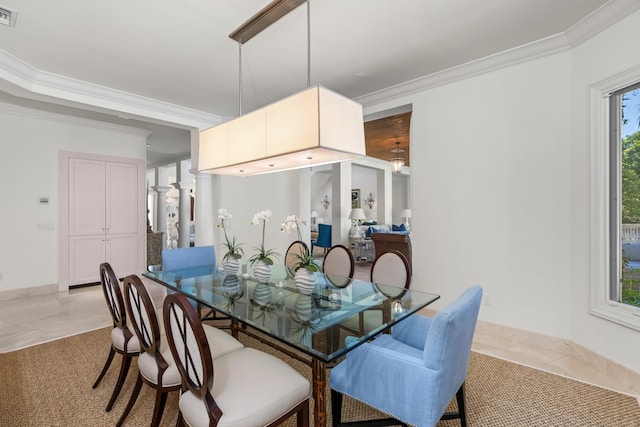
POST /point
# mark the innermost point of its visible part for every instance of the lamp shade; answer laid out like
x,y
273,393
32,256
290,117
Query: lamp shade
x,y
406,213
357,214
314,214
313,127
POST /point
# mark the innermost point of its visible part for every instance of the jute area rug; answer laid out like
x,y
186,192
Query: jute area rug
x,y
50,385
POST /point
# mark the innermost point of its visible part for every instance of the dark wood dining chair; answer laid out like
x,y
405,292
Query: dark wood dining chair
x,y
338,265
296,249
123,341
391,276
245,387
156,367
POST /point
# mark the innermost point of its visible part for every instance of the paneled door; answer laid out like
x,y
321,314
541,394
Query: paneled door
x,y
104,217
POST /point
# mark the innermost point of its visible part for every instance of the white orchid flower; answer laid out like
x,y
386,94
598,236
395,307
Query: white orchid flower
x,y
223,214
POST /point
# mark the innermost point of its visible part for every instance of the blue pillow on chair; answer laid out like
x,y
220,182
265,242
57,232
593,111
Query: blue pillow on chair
x,y
398,227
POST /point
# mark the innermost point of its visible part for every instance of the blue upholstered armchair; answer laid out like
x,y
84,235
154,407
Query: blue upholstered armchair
x,y
324,238
414,373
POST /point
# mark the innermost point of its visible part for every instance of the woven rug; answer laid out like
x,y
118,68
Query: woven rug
x,y
50,385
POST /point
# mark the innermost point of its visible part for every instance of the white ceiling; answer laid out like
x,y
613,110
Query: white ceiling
x,y
146,58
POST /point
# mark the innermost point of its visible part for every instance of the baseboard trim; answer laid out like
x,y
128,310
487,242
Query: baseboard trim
x,y
564,347
27,292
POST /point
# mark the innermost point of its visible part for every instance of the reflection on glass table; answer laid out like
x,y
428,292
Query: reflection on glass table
x,y
313,323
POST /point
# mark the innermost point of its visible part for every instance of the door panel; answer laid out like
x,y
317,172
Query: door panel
x,y
86,197
122,198
122,252
86,253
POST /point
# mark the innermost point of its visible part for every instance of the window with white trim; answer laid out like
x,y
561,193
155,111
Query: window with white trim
x,y
624,203
614,173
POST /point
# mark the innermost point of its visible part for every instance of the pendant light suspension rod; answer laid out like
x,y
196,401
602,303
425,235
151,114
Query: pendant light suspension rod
x,y
239,78
308,44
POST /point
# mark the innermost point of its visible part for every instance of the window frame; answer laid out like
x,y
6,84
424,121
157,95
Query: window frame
x,y
605,231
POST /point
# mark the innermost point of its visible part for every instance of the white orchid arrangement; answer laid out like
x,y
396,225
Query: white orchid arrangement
x,y
292,222
263,254
234,249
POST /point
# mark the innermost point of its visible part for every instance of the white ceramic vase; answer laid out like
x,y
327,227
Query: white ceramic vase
x,y
305,281
262,294
231,265
262,271
304,308
231,286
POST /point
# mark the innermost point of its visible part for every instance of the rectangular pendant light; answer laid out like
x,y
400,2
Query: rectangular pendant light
x,y
313,127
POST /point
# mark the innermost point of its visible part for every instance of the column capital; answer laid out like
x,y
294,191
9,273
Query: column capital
x,y
184,185
161,188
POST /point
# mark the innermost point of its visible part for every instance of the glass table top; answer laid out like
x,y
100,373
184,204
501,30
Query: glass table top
x,y
316,323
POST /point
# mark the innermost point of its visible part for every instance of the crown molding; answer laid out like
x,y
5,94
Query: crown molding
x,y
496,61
602,18
19,111
37,84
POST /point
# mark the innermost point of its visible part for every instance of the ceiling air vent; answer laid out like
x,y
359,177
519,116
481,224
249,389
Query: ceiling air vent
x,y
8,16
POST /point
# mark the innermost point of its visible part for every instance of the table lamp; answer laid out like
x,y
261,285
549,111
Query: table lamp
x,y
356,214
406,214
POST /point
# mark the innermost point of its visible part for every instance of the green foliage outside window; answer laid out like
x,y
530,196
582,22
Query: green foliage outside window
x,y
631,179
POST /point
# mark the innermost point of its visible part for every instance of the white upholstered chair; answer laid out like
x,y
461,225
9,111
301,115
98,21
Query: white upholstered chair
x,y
392,268
244,388
156,366
391,276
123,341
338,266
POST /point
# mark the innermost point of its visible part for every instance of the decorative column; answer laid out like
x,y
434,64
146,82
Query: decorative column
x,y
184,213
205,216
161,209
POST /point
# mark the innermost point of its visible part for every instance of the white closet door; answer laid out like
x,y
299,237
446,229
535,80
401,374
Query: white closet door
x,y
104,218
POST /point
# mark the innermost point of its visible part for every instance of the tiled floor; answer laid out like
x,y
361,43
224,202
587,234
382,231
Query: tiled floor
x,y
35,319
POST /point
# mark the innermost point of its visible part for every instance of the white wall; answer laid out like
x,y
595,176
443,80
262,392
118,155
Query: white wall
x,y
494,195
366,180
501,197
30,145
243,197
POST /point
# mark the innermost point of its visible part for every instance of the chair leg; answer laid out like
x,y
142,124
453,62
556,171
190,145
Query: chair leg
x,y
461,409
302,416
124,370
106,367
132,400
336,408
180,420
461,406
158,408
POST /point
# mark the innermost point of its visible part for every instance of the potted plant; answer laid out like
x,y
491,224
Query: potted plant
x,y
262,261
292,222
234,251
305,269
303,320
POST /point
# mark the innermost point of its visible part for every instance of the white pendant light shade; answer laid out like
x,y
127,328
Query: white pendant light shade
x,y
313,127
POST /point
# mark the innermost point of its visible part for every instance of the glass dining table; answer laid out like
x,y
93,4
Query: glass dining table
x,y
317,327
